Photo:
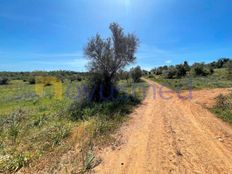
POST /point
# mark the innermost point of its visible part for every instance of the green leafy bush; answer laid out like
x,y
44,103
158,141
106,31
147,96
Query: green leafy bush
x,y
170,73
76,110
82,110
199,69
136,73
223,107
31,80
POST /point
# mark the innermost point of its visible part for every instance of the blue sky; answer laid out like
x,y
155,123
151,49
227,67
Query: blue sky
x,y
51,34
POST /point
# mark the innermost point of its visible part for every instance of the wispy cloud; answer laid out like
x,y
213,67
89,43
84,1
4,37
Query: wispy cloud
x,y
168,61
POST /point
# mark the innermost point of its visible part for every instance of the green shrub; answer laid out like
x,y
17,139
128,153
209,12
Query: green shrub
x,y
3,81
223,107
170,73
222,102
182,69
136,73
82,110
229,70
31,80
76,110
200,69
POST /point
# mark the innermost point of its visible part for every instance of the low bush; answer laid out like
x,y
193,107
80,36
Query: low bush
x,y
3,81
201,69
76,110
136,73
170,73
222,102
82,110
229,70
223,107
31,80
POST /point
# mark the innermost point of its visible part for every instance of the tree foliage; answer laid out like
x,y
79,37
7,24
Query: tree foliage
x,y
136,73
108,56
197,69
220,63
200,69
29,76
170,73
182,69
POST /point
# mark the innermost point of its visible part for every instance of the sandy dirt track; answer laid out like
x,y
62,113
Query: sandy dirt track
x,y
170,136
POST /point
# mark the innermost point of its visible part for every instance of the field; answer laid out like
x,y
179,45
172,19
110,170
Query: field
x,y
31,126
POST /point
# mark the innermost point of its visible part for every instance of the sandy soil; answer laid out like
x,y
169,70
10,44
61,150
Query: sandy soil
x,y
171,136
206,97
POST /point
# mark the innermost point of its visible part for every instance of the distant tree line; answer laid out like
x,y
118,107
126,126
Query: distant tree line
x,y
135,74
29,77
197,69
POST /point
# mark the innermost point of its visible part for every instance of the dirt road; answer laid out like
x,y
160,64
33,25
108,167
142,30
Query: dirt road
x,y
170,136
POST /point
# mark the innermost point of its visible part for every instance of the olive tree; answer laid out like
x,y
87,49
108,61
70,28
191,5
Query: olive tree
x,y
136,73
108,56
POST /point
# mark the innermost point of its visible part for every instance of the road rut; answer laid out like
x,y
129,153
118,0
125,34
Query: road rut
x,y
170,136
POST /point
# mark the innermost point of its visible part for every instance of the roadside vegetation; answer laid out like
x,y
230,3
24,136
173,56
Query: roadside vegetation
x,y
223,107
94,104
217,74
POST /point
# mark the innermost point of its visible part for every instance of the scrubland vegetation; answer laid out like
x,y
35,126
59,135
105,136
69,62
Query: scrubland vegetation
x,y
223,107
216,74
29,77
32,126
94,104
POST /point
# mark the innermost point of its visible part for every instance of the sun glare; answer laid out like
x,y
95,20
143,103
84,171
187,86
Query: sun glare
x,y
125,3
